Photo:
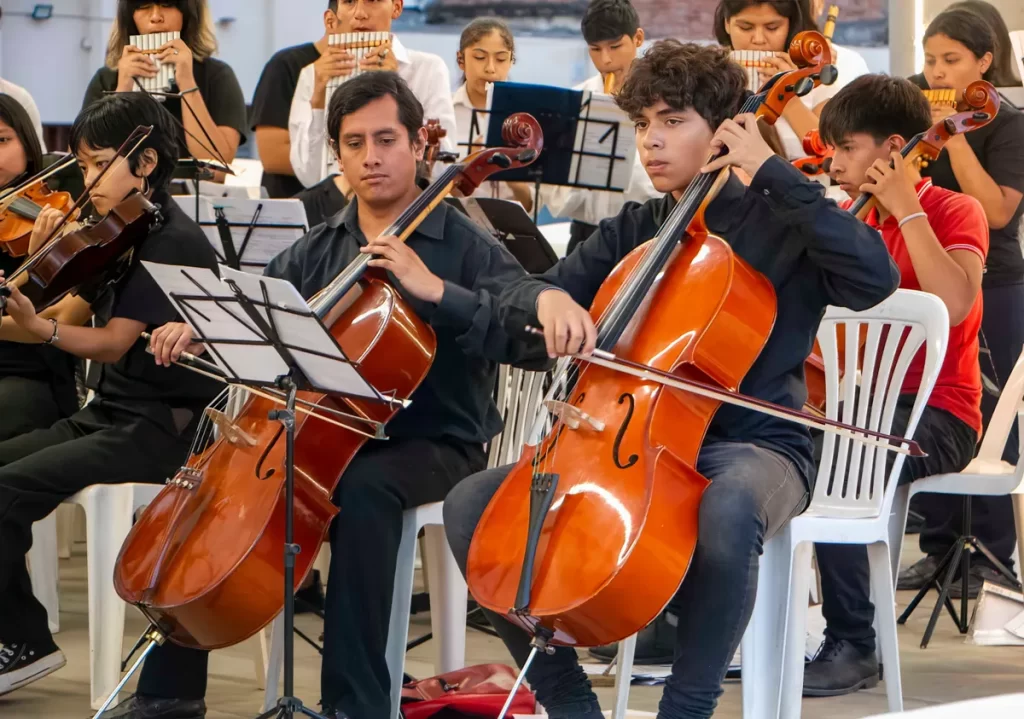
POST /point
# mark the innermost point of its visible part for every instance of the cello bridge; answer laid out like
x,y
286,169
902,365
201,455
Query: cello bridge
x,y
230,431
572,416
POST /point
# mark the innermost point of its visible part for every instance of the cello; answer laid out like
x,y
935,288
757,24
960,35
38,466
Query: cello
x,y
976,106
204,563
609,496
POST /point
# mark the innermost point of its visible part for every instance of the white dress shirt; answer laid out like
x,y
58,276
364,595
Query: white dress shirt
x,y
427,77
850,66
592,206
463,121
25,100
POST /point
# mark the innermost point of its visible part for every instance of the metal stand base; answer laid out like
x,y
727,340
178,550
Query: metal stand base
x,y
156,638
288,708
942,579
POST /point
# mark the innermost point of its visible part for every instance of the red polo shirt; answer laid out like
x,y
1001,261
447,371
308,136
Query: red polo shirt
x,y
959,223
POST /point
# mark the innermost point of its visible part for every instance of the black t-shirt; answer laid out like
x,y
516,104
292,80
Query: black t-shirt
x,y
217,84
999,146
272,103
136,296
322,200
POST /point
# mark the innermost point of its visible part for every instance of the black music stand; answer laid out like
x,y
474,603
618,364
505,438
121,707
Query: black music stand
x,y
589,142
508,223
261,334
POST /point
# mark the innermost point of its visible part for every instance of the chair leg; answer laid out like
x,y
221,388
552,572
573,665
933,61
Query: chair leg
x,y
42,560
764,638
1018,514
885,613
67,516
274,662
795,632
448,594
624,676
108,516
897,528
398,631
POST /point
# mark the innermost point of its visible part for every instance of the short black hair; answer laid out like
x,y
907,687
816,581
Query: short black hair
x,y
363,89
16,117
798,12
332,5
685,75
107,123
879,105
605,20
967,28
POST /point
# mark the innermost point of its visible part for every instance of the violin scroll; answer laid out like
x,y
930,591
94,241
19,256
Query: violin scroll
x,y
526,141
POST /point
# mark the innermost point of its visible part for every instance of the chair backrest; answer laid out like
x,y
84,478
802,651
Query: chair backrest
x,y
518,397
852,477
1008,410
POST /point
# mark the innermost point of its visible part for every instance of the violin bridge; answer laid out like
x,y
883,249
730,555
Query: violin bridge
x,y
229,430
572,416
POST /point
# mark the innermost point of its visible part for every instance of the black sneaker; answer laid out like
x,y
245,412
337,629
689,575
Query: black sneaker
x,y
979,574
917,574
143,707
22,663
655,644
310,600
839,668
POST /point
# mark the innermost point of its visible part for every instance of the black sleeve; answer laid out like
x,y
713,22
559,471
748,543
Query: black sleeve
x,y
919,80
272,101
581,273
138,297
226,102
1004,153
854,265
103,81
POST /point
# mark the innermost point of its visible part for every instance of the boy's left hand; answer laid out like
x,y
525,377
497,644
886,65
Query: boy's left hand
x,y
892,187
746,147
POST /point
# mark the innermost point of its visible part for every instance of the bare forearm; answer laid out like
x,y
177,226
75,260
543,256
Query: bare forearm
x,y
274,145
800,118
936,271
977,183
196,139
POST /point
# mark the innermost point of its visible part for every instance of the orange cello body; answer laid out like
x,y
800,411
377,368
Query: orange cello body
x,y
204,562
619,537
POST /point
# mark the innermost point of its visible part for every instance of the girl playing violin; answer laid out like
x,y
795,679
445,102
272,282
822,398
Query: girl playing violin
x,y
215,112
37,383
139,425
960,47
682,99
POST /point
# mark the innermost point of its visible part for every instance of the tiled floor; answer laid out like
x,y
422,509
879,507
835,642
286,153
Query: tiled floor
x,y
948,670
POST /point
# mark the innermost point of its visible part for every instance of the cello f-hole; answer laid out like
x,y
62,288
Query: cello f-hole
x,y
633,458
263,457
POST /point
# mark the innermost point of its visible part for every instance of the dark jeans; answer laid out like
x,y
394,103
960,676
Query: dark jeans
x,y
845,580
383,480
1002,333
28,404
103,443
753,493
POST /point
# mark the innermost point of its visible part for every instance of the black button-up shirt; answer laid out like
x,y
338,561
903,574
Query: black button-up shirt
x,y
455,399
814,254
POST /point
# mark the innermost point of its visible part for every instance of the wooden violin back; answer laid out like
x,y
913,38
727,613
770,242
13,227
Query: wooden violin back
x,y
622,528
205,560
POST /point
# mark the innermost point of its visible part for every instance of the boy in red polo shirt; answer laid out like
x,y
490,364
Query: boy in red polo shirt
x,y
939,240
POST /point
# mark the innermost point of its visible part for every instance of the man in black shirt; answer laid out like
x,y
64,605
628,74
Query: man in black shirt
x,y
760,468
450,271
139,425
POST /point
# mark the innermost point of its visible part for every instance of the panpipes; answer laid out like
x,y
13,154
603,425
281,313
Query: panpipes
x,y
149,44
609,83
751,61
942,98
358,44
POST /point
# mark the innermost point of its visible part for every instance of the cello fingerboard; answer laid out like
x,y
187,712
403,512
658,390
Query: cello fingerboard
x,y
751,61
359,44
150,44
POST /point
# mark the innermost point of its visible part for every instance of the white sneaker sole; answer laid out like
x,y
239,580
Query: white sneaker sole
x,y
33,672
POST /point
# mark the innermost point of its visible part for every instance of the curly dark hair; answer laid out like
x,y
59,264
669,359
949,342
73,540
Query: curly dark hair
x,y
685,75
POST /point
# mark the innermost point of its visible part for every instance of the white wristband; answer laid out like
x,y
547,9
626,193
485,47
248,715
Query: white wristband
x,y
910,217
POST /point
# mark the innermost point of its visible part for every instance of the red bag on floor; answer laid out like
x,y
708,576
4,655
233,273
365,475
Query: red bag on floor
x,y
478,692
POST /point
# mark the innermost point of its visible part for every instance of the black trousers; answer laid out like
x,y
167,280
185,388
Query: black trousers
x,y
1002,333
104,443
27,404
845,580
383,480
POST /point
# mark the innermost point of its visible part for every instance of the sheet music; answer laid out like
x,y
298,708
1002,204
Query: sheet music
x,y
258,364
608,137
265,243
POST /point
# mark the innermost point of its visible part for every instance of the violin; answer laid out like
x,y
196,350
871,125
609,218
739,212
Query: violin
x,y
19,217
204,561
433,152
819,155
977,105
605,505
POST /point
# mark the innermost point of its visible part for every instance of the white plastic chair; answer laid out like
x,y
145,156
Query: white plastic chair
x,y
518,395
833,515
987,475
109,509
